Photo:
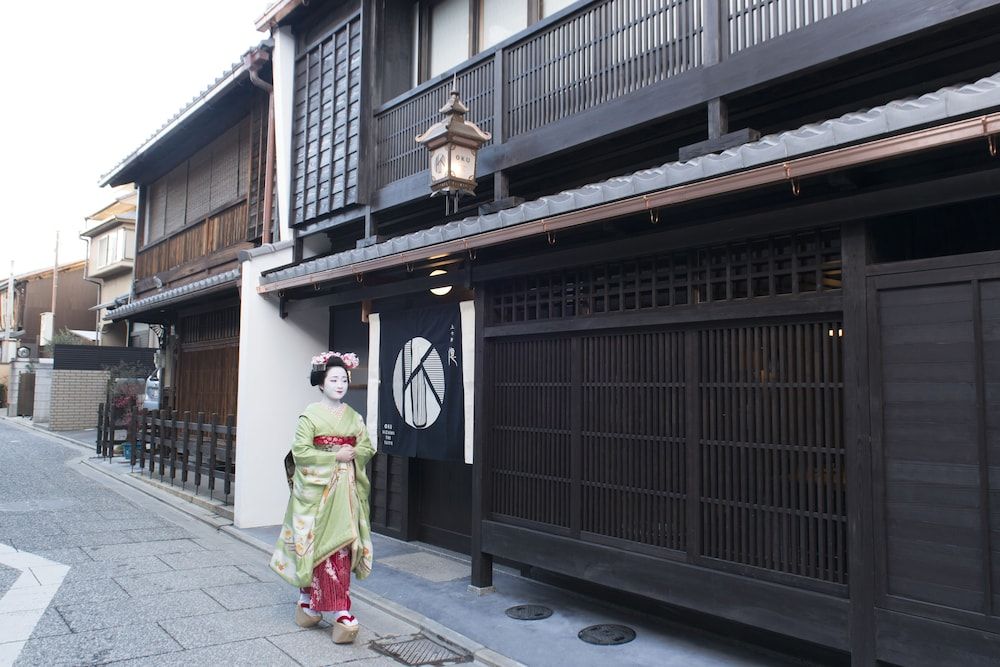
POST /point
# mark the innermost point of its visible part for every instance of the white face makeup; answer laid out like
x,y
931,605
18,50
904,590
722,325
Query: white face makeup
x,y
335,384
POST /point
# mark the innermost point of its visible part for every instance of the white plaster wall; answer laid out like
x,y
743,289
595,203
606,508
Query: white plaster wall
x,y
273,391
283,69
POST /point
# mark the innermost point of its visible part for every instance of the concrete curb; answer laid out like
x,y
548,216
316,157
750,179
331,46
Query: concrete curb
x,y
429,627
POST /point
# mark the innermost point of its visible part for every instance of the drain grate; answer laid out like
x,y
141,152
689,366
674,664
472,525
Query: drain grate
x,y
418,650
529,612
607,634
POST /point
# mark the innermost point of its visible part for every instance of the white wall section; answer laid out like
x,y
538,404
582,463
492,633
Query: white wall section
x,y
273,390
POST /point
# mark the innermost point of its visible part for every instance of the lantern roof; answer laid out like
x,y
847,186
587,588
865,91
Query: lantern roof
x,y
454,125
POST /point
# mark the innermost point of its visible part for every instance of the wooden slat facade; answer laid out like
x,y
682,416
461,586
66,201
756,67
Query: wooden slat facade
x,y
934,374
207,372
212,235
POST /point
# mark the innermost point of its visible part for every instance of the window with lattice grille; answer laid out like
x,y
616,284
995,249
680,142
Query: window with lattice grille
x,y
806,262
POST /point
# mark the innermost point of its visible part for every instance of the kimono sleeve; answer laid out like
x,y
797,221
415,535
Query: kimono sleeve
x,y
302,446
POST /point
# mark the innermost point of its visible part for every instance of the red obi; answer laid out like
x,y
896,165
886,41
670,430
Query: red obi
x,y
329,441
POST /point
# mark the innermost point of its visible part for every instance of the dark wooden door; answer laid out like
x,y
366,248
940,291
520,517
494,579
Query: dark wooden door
x,y
26,395
935,406
441,492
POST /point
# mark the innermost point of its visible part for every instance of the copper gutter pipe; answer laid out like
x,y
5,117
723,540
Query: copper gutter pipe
x,y
254,62
791,171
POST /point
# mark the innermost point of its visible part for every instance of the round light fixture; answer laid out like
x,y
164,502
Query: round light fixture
x,y
439,291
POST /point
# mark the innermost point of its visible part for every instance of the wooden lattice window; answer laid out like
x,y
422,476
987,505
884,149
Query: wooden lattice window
x,y
732,434
211,326
327,121
771,448
633,474
530,431
800,263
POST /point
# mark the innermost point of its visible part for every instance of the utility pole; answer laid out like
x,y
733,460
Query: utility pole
x,y
8,345
55,284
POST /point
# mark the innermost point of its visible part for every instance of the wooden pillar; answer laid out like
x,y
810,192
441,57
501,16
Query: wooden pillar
x,y
482,563
857,444
715,44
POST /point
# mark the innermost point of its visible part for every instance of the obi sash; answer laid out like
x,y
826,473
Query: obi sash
x,y
328,442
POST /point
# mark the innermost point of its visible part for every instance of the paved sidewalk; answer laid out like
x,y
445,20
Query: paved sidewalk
x,y
146,584
416,588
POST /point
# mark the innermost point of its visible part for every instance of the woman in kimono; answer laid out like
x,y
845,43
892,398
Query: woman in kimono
x,y
325,534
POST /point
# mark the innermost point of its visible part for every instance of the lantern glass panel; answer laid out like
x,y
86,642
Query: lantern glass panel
x,y
439,163
463,163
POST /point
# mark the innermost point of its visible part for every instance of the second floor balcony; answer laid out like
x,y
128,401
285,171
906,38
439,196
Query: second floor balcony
x,y
622,84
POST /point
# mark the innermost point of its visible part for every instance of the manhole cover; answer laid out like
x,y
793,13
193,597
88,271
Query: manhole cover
x,y
607,634
529,612
418,650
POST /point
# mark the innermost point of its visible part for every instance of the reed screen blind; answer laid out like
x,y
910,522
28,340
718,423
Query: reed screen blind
x,y
213,178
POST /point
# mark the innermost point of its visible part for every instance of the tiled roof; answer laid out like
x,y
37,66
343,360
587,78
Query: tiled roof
x,y
950,102
218,84
175,294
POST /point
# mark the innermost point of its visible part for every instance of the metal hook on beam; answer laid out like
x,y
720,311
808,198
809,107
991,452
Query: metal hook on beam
x,y
991,139
654,216
796,187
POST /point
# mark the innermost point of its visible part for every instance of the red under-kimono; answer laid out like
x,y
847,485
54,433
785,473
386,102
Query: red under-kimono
x,y
331,581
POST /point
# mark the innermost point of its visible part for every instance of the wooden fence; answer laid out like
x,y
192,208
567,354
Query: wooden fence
x,y
179,448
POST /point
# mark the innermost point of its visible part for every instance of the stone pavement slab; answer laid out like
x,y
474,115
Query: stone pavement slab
x,y
314,647
99,646
213,558
174,580
50,625
92,569
246,596
134,549
428,566
260,572
250,653
89,590
380,622
70,556
149,609
231,626
101,525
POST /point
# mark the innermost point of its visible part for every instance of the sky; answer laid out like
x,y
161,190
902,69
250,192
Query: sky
x,y
86,82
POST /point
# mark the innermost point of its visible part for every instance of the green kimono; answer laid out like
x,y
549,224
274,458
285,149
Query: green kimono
x,y
328,507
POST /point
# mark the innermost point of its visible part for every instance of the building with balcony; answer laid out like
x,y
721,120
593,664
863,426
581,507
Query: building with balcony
x,y
200,201
110,236
723,300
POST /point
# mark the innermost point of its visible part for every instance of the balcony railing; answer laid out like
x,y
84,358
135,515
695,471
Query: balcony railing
x,y
601,52
753,22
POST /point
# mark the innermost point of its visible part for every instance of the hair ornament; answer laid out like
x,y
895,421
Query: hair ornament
x,y
350,360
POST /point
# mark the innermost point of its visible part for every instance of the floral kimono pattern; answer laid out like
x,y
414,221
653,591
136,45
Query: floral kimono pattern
x,y
328,507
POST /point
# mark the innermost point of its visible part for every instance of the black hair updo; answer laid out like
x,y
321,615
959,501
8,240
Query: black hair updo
x,y
316,378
